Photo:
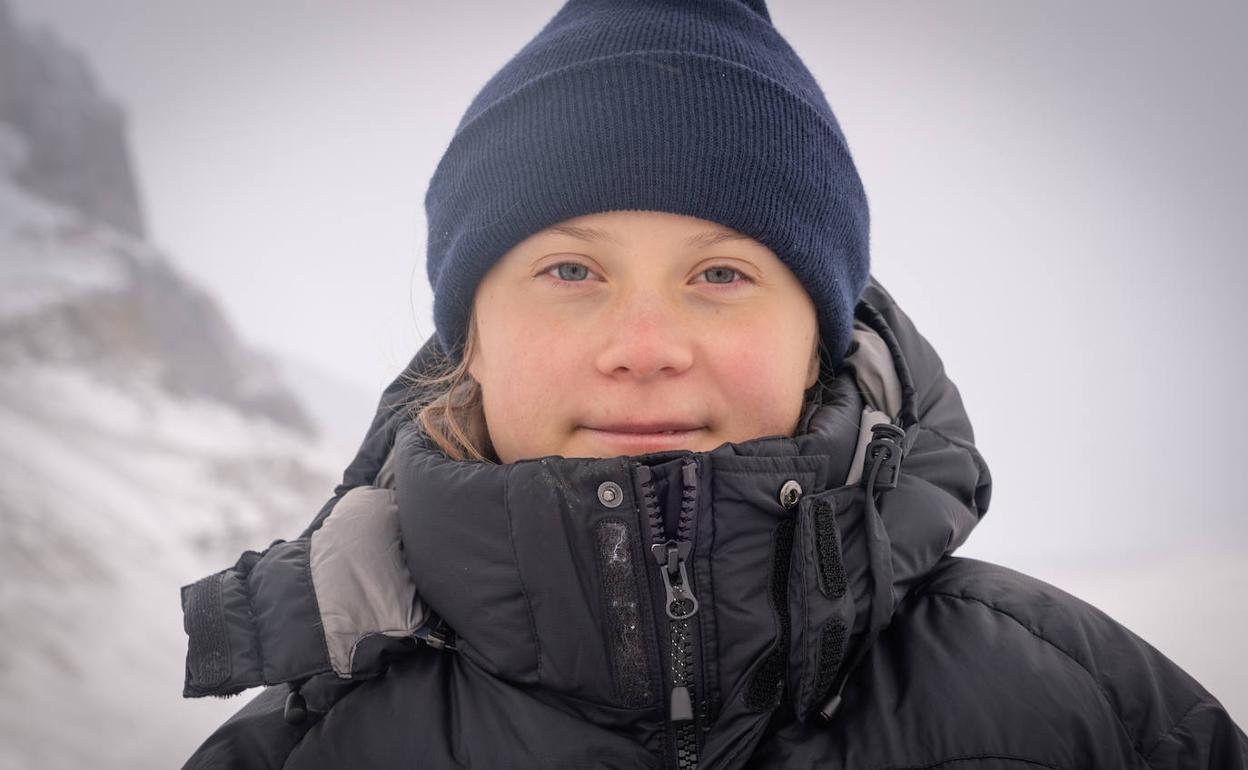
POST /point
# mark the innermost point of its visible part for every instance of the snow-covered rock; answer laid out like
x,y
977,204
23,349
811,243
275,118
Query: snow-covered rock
x,y
78,153
143,444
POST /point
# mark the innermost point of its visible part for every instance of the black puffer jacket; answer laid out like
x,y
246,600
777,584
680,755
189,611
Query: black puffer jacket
x,y
782,602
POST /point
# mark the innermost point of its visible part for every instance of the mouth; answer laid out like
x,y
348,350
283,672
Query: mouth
x,y
637,437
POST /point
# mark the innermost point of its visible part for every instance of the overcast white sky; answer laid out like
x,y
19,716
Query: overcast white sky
x,y
1058,197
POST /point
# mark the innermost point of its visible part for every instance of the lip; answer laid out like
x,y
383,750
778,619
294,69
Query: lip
x,y
647,427
637,438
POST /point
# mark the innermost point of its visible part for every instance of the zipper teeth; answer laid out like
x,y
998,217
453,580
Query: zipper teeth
x,y
682,675
688,498
680,631
682,636
650,502
686,747
682,654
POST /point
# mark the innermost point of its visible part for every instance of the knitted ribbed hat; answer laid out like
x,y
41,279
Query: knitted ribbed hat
x,y
695,107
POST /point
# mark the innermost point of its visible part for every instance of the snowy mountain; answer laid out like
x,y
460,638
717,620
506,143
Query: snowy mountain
x,y
143,445
78,156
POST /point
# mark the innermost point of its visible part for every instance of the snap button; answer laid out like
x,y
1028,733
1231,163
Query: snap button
x,y
790,493
610,494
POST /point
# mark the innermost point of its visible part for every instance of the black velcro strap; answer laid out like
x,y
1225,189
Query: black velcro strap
x,y
208,651
828,542
766,688
831,652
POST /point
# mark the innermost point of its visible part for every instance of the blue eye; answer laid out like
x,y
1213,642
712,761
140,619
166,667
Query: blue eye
x,y
576,272
723,276
714,274
572,272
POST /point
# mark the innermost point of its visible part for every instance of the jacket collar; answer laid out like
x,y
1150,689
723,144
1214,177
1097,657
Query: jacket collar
x,y
551,584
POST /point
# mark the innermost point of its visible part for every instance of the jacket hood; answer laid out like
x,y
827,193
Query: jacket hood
x,y
551,571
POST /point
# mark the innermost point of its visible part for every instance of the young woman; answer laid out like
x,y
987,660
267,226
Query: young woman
x,y
676,483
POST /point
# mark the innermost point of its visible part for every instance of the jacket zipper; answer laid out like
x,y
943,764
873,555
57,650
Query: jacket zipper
x,y
671,553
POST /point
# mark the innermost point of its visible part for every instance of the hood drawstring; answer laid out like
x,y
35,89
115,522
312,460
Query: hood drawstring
x,y
885,452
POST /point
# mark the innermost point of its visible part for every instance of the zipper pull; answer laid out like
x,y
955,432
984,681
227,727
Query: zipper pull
x,y
681,705
671,556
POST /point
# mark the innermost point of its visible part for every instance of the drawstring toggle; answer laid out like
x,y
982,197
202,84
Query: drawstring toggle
x,y
886,446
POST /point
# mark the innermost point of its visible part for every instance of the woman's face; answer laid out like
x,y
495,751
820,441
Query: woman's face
x,y
597,335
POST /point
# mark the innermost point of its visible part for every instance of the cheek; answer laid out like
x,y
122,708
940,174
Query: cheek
x,y
759,366
523,374
752,378
514,339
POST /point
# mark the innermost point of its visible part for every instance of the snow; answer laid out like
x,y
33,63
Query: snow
x,y
114,493
112,501
49,254
47,258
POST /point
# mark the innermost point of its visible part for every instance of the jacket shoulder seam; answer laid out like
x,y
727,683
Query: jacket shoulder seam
x,y
1177,723
1100,688
958,443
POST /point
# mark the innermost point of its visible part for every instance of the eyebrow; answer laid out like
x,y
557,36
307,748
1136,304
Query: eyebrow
x,y
702,240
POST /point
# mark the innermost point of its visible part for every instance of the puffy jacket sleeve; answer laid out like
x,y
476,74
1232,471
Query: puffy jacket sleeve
x,y
339,599
1205,737
1166,718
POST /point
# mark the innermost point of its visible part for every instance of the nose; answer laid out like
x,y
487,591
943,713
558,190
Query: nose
x,y
645,338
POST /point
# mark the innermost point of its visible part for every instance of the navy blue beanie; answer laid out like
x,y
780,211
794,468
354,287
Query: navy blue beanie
x,y
694,107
